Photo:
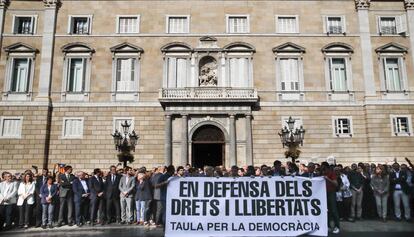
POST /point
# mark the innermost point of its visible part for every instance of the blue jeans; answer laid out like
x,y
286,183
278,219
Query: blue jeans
x,y
47,215
141,207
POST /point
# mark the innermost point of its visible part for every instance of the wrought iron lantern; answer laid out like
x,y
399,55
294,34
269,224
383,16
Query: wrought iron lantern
x,y
125,142
291,138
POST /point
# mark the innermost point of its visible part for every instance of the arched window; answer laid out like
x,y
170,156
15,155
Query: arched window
x,y
338,70
289,71
77,72
393,74
177,60
19,72
239,66
125,72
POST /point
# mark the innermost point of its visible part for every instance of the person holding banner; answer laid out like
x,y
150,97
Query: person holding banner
x,y
162,185
331,187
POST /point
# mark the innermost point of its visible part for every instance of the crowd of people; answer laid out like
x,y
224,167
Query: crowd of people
x,y
138,196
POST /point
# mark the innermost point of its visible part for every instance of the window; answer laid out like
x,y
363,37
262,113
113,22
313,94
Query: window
x,y
287,24
125,74
338,71
72,127
392,74
401,125
177,71
289,71
77,72
76,75
19,72
121,120
338,77
391,25
239,66
342,126
238,24
178,24
335,24
11,127
80,25
128,24
20,75
24,25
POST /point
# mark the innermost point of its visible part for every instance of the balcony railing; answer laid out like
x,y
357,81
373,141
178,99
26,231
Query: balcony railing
x,y
216,94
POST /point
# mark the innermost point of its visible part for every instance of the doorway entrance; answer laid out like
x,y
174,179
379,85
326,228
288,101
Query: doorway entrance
x,y
208,145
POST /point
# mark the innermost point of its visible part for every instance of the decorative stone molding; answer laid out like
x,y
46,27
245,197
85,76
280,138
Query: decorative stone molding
x,y
409,4
362,4
4,3
52,3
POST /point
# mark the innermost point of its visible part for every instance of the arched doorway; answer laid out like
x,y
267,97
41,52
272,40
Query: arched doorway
x,y
208,144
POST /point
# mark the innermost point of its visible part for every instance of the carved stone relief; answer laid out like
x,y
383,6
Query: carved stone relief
x,y
207,71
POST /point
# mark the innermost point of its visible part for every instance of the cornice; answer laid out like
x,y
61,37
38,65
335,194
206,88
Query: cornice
x,y
362,4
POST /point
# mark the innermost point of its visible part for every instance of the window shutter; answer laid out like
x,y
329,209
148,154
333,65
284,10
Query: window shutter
x,y
325,24
401,24
343,21
379,25
330,73
394,125
336,126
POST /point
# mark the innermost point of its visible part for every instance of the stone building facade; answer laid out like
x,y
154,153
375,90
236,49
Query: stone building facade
x,y
204,82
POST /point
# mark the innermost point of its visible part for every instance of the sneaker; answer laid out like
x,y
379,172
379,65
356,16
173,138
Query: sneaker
x,y
335,230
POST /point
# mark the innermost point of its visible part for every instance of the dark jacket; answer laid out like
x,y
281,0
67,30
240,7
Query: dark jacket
x,y
356,180
401,180
154,180
143,191
78,190
44,191
96,186
66,185
112,188
39,184
308,175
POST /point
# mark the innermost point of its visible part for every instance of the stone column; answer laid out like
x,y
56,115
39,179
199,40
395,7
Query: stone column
x,y
409,6
3,7
233,153
249,145
184,141
362,7
168,140
48,44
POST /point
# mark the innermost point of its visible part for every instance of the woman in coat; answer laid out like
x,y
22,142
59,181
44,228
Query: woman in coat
x,y
143,196
49,193
380,185
26,199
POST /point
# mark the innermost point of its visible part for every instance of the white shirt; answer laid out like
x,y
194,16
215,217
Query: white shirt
x,y
85,187
397,175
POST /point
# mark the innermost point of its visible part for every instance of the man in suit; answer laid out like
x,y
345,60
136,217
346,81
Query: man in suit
x,y
40,181
112,195
80,187
401,190
97,196
156,203
310,172
126,188
8,198
66,195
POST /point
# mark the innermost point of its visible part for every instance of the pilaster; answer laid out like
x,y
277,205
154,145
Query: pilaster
x,y
48,43
362,7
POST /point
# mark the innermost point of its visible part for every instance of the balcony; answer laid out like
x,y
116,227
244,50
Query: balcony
x,y
208,94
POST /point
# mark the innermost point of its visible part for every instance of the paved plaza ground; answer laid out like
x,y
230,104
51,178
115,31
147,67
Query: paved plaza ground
x,y
357,229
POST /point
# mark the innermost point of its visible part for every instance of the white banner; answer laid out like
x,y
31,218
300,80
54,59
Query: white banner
x,y
259,206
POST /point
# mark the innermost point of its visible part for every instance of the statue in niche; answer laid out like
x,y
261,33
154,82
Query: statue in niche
x,y
208,72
